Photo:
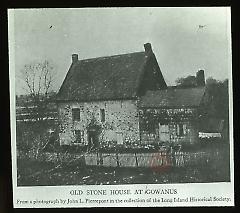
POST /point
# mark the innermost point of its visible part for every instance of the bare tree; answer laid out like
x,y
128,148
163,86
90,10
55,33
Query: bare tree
x,y
38,78
38,81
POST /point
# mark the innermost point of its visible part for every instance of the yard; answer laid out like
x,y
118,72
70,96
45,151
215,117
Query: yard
x,y
35,172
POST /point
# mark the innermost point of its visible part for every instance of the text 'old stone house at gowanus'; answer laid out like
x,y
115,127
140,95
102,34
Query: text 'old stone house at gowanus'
x,y
124,99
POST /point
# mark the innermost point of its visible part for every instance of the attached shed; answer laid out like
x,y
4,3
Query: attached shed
x,y
171,115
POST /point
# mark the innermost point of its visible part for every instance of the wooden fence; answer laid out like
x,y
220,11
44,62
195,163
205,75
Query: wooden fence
x,y
134,160
31,114
176,159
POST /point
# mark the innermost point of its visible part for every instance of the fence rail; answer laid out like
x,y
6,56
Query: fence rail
x,y
30,113
135,160
176,159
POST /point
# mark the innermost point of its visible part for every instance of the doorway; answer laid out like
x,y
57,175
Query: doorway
x,y
92,139
164,134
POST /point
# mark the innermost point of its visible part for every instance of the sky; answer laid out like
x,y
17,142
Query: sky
x,y
180,46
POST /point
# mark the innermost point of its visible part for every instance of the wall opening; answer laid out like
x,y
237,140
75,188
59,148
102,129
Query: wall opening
x,y
76,114
102,115
79,136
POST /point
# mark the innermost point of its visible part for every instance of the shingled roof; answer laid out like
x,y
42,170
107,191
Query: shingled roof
x,y
105,78
173,98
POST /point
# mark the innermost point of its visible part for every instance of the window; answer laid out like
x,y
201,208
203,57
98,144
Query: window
x,y
102,115
164,128
119,138
181,129
164,134
79,136
76,114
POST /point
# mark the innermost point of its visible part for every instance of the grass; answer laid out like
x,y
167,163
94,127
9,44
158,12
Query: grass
x,y
39,172
36,173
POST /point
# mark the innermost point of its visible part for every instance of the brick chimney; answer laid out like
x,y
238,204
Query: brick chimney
x,y
148,47
74,58
200,78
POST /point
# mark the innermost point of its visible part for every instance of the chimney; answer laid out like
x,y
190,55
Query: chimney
x,y
200,78
148,47
74,58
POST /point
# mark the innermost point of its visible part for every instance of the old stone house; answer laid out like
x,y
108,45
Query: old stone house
x,y
105,99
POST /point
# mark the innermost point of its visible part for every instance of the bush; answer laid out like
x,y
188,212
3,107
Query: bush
x,y
33,138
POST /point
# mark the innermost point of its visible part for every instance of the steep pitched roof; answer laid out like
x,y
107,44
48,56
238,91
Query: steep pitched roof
x,y
173,97
104,78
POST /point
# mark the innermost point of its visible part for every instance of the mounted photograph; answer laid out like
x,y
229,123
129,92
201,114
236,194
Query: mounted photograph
x,y
121,96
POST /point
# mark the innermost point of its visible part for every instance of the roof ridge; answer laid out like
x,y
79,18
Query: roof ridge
x,y
185,88
174,89
110,56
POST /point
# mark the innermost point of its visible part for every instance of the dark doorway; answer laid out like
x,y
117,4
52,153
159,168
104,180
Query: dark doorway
x,y
92,139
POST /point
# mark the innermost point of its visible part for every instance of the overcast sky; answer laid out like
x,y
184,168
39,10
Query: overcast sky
x,y
181,47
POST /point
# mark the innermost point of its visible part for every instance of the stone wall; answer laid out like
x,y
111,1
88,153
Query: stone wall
x,y
121,121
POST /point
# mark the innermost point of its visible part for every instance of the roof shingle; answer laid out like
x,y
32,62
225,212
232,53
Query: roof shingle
x,y
173,98
104,78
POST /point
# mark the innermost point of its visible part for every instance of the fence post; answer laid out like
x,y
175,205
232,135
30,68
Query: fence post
x,y
118,165
99,159
136,159
173,158
161,157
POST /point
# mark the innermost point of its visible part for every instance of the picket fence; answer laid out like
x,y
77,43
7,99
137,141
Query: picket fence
x,y
177,159
134,160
